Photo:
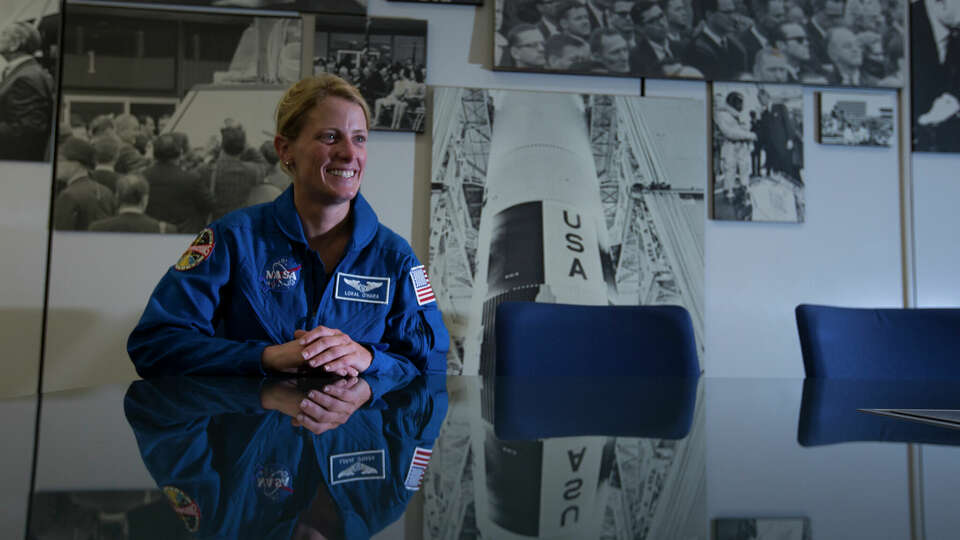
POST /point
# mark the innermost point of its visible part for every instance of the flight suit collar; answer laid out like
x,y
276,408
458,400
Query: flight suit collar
x,y
365,221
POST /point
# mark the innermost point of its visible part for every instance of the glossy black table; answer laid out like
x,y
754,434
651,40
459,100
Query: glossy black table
x,y
547,458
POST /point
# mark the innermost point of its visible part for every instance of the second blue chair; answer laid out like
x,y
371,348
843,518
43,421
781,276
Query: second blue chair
x,y
863,343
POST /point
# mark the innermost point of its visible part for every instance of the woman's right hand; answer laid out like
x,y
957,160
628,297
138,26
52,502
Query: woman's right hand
x,y
328,343
285,357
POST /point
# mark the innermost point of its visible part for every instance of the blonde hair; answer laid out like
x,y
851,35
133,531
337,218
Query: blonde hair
x,y
308,92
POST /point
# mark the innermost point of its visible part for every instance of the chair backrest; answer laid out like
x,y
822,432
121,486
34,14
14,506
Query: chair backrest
x,y
562,339
829,415
544,406
863,343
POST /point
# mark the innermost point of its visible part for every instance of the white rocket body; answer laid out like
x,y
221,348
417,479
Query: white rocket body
x,y
542,233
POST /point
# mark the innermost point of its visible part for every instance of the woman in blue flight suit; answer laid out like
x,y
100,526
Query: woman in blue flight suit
x,y
311,280
232,468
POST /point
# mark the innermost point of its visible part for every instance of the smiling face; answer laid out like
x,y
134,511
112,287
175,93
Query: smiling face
x,y
329,155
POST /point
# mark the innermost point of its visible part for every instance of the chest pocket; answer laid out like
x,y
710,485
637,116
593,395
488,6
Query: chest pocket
x,y
279,289
361,304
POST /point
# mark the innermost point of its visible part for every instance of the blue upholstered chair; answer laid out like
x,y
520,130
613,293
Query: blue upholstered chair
x,y
861,343
536,339
829,415
540,407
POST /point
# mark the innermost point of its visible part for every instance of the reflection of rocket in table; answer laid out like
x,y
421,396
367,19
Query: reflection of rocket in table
x,y
542,234
540,488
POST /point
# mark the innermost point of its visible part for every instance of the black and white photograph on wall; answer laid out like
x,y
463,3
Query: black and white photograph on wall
x,y
346,7
29,56
385,58
168,117
758,152
119,514
515,173
467,2
935,66
761,529
822,42
855,119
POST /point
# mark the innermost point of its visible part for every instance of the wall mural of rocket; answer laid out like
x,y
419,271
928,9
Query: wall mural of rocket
x,y
564,198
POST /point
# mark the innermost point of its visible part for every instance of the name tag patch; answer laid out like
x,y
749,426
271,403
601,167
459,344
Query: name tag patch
x,y
357,466
280,274
375,290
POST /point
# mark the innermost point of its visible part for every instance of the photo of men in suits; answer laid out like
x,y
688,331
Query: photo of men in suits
x,y
351,7
27,89
935,60
824,42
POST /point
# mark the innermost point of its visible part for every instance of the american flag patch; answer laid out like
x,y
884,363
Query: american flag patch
x,y
418,466
421,285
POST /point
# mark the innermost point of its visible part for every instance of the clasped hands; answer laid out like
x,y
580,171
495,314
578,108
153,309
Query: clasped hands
x,y
318,409
324,348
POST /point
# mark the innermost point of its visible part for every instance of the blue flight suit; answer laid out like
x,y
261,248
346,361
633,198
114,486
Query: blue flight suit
x,y
231,469
251,280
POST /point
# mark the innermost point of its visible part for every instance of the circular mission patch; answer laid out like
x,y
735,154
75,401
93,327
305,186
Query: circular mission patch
x,y
199,250
184,506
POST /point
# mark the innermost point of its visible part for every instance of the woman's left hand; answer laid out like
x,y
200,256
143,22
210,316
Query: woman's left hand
x,y
318,410
335,351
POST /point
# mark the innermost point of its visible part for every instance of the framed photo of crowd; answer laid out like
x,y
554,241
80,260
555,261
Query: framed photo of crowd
x,y
385,58
350,7
823,42
167,116
468,2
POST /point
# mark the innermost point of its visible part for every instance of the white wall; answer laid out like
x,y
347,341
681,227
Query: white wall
x,y
17,416
24,212
847,252
936,196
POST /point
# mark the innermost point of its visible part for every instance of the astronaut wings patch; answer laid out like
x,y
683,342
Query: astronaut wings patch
x,y
421,285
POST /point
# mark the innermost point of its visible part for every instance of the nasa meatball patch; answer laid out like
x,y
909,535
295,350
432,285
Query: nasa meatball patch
x,y
357,466
274,481
373,289
198,251
280,274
